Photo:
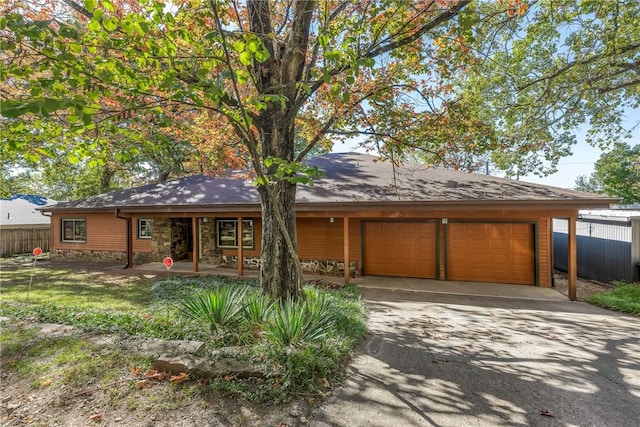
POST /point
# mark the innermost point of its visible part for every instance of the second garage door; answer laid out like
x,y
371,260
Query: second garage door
x,y
402,249
491,252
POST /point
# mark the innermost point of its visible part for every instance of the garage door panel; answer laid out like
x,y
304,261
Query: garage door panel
x,y
403,249
491,252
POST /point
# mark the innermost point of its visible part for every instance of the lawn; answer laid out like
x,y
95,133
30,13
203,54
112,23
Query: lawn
x,y
302,345
77,288
624,298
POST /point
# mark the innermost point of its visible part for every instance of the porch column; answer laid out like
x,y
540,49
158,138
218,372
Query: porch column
x,y
572,259
347,268
195,231
240,249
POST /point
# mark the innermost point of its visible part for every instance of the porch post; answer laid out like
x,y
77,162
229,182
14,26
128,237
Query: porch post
x,y
347,269
240,248
195,233
572,259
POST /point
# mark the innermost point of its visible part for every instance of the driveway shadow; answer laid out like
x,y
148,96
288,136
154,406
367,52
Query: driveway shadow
x,y
451,361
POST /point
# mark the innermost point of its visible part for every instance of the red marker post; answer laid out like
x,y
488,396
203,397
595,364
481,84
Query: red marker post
x,y
36,253
168,263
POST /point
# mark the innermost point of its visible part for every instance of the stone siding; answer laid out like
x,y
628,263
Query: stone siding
x,y
104,257
310,266
209,254
161,237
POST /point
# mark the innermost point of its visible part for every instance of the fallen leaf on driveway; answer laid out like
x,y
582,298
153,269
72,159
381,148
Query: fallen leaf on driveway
x,y
546,413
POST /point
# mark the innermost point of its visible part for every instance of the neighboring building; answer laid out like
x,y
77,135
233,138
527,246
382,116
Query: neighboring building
x,y
409,221
22,226
608,243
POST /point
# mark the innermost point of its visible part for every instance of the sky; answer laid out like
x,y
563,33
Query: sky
x,y
581,162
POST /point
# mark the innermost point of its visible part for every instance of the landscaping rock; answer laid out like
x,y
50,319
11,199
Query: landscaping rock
x,y
156,347
208,368
53,329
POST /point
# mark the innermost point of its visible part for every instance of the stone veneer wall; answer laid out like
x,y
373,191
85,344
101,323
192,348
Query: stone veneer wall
x,y
103,257
107,257
209,254
311,266
161,237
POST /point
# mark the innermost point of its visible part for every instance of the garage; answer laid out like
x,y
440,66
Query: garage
x,y
491,252
401,249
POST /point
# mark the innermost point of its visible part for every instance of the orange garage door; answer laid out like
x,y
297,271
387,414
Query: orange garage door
x,y
402,249
497,253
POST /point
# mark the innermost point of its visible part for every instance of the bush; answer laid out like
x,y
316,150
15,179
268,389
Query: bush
x,y
221,307
293,322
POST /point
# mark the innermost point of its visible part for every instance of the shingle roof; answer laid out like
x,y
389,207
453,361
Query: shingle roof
x,y
348,178
20,210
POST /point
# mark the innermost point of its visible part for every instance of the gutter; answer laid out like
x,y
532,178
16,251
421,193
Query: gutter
x,y
128,237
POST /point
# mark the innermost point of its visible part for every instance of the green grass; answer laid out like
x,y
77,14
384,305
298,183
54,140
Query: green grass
x,y
302,345
58,361
624,298
67,287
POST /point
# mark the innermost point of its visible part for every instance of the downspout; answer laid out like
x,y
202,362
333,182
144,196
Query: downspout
x,y
128,237
50,231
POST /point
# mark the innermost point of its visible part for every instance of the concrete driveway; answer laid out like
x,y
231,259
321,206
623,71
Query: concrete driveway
x,y
455,360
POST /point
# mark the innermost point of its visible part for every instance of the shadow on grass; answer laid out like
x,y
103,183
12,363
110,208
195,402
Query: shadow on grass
x,y
64,286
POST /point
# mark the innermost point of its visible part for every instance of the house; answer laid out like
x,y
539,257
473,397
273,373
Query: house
x,y
22,226
376,219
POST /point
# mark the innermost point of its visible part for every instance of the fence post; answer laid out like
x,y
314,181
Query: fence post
x,y
635,247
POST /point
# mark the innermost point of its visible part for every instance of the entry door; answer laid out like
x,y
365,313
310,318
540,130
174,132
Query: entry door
x,y
401,249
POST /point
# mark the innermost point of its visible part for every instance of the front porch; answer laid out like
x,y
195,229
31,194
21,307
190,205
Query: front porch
x,y
450,287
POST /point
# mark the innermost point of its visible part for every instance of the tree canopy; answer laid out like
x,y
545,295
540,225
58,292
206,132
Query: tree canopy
x,y
268,82
617,174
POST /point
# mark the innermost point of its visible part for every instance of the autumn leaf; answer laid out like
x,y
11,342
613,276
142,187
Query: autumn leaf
x,y
143,384
46,383
154,375
179,378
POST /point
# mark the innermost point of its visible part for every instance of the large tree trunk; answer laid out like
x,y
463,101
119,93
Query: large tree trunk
x,y
279,276
280,272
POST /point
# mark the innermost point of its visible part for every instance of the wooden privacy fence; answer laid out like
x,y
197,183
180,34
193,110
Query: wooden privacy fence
x,y
23,240
607,250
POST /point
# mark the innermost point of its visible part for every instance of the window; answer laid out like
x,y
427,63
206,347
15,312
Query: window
x,y
227,231
144,228
73,230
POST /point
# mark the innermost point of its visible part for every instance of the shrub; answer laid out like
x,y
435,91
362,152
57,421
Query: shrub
x,y
293,322
220,307
257,309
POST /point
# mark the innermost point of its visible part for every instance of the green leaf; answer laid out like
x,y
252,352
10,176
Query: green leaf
x,y
245,58
346,97
90,5
262,56
238,46
110,24
253,46
242,76
94,25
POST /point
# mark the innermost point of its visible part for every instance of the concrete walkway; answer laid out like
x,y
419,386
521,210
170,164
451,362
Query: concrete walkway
x,y
466,360
375,282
